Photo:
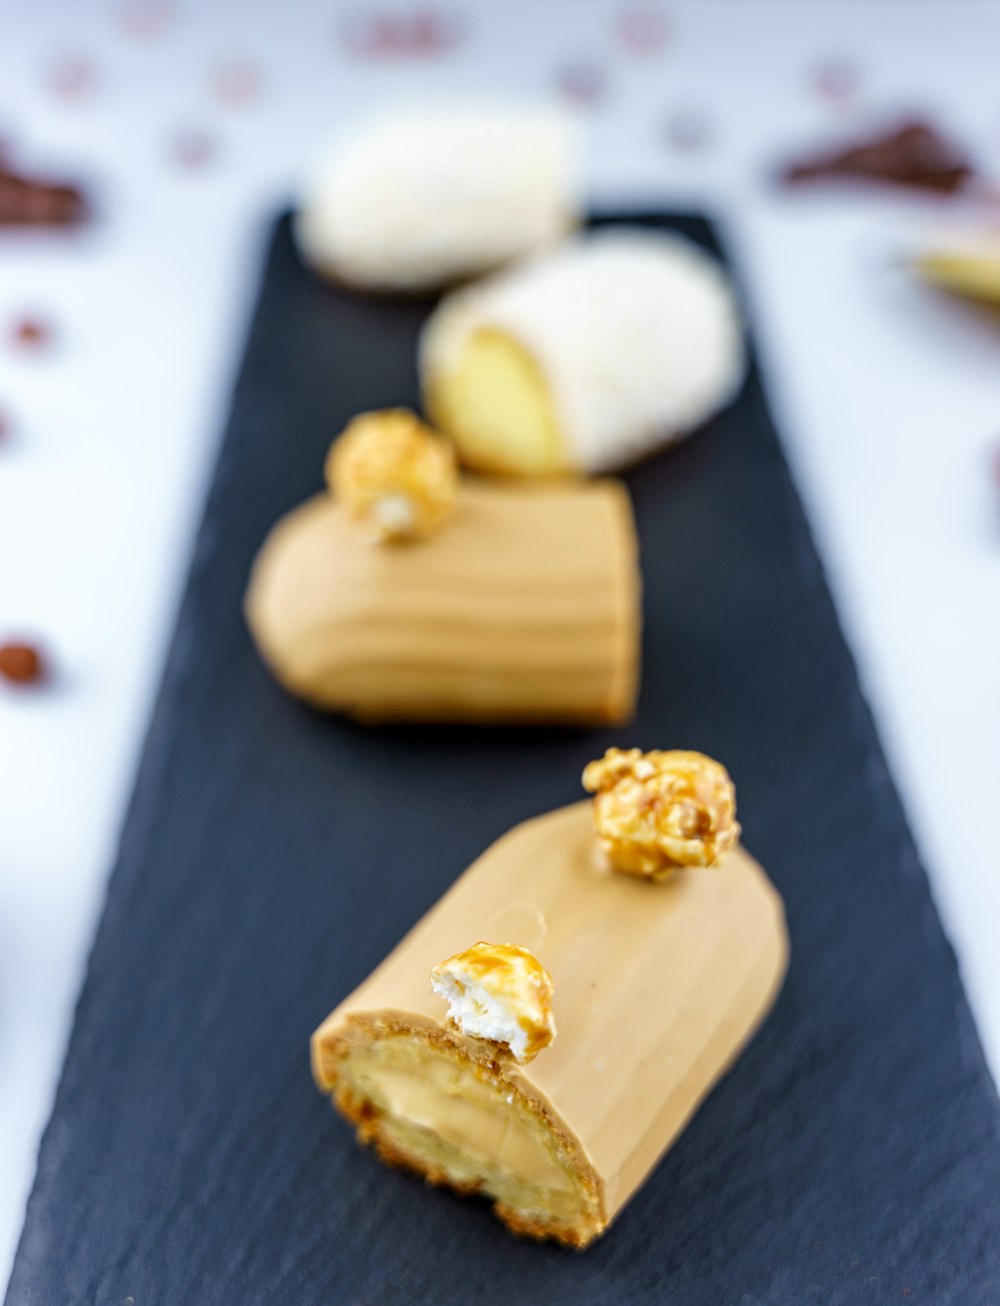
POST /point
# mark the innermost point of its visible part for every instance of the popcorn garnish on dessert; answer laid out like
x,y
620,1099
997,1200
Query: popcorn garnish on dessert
x,y
393,473
658,811
656,999
500,992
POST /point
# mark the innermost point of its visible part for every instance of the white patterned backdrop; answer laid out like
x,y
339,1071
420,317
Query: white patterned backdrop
x,y
189,125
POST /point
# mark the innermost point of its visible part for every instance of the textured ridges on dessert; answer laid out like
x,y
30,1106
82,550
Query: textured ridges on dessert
x,y
755,975
658,987
525,608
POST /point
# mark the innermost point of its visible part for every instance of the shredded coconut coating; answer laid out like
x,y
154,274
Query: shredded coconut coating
x,y
394,474
501,992
658,811
636,332
421,197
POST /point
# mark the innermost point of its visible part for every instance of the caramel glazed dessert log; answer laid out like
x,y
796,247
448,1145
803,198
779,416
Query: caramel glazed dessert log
x,y
654,970
409,595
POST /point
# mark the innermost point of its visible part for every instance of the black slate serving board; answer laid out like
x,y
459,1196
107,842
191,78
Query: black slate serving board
x,y
271,857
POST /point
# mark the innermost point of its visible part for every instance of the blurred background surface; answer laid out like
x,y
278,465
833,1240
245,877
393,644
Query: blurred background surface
x,y
189,128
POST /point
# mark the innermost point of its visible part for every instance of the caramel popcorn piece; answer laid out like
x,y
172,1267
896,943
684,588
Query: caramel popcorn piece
x,y
394,474
657,811
500,992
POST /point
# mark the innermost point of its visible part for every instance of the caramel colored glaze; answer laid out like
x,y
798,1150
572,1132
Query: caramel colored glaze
x,y
524,607
657,988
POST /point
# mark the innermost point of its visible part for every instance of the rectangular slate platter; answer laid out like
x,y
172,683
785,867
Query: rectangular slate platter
x,y
271,856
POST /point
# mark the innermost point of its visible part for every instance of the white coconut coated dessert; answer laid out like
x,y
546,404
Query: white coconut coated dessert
x,y
418,199
584,359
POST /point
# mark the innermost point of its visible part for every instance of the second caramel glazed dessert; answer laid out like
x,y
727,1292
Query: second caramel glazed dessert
x,y
603,965
411,595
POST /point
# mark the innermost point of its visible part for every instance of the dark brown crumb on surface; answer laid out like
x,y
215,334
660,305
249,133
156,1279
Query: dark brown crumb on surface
x,y
27,201
31,332
21,664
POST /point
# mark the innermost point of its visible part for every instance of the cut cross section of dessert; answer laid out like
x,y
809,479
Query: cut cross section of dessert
x,y
655,982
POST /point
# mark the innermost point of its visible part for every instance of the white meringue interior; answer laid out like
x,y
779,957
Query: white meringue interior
x,y
482,1014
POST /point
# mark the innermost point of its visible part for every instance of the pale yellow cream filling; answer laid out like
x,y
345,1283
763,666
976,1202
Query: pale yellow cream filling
x,y
434,1099
497,408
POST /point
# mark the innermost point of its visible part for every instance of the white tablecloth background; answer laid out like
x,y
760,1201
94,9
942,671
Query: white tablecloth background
x,y
888,398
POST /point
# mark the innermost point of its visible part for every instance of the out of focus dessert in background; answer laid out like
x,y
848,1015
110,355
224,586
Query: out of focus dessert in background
x,y
654,988
586,359
409,594
966,264
416,200
499,604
